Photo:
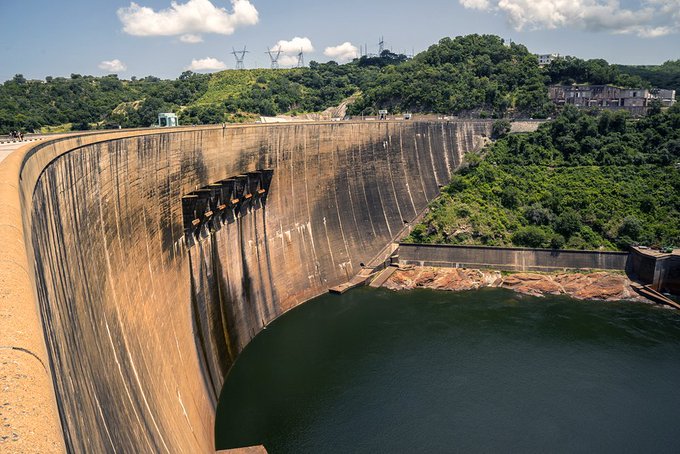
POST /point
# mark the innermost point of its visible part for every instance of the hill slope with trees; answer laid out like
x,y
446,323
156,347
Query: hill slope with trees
x,y
584,181
474,75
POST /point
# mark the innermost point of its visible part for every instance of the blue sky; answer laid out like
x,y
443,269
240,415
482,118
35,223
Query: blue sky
x,y
40,38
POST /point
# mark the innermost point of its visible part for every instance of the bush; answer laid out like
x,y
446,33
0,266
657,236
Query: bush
x,y
530,237
568,223
538,215
630,228
457,184
500,129
418,234
510,197
557,241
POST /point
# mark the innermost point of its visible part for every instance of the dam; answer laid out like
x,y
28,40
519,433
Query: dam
x,y
119,323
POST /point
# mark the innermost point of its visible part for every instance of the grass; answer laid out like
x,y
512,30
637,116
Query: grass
x,y
233,83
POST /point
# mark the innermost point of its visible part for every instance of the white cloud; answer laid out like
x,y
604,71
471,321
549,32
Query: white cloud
x,y
190,38
291,49
651,19
294,45
476,4
342,52
187,19
112,66
288,60
206,64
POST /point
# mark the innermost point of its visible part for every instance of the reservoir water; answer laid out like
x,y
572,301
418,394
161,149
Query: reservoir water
x,y
375,371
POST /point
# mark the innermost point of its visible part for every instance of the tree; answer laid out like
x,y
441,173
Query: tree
x,y
500,129
568,223
531,236
631,228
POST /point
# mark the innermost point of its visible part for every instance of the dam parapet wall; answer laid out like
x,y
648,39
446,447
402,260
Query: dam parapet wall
x,y
134,323
510,259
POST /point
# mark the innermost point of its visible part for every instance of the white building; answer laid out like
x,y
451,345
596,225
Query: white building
x,y
546,59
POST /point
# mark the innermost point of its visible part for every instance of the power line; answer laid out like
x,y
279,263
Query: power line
x,y
240,55
274,57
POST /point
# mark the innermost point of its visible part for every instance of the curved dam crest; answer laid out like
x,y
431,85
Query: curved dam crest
x,y
140,325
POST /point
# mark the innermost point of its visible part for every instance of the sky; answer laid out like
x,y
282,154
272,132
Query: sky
x,y
40,38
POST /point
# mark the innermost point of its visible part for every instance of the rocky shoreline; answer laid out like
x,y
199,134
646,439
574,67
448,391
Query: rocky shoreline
x,y
584,285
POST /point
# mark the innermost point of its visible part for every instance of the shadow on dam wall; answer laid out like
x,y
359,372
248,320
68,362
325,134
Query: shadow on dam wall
x,y
140,325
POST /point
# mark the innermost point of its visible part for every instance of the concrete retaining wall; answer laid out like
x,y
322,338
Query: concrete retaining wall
x,y
661,271
509,259
140,328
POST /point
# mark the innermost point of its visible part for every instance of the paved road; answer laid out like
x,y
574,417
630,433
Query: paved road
x,y
7,148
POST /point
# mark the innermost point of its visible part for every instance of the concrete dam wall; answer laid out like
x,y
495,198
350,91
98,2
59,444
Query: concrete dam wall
x,y
142,322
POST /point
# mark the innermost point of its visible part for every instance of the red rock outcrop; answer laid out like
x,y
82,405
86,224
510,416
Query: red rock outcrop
x,y
452,279
598,285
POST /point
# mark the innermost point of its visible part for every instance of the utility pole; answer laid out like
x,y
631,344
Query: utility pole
x,y
274,57
240,55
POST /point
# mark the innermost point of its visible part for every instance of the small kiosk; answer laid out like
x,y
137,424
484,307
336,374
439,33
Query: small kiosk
x,y
167,120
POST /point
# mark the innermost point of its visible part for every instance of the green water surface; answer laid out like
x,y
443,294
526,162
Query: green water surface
x,y
434,372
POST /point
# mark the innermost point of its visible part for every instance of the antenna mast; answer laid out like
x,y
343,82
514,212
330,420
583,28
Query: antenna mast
x,y
274,57
240,55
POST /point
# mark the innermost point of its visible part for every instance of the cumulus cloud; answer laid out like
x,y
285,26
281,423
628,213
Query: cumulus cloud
x,y
188,19
190,38
288,60
342,52
112,66
651,19
206,64
295,45
291,49
476,4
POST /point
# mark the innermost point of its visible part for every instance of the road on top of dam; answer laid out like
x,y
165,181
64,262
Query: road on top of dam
x,y
8,147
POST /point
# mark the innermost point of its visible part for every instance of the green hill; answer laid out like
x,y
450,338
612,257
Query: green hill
x,y
584,181
474,75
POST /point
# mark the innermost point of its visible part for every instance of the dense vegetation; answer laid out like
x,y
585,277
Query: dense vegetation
x,y
584,181
475,75
83,100
572,70
569,70
470,74
661,76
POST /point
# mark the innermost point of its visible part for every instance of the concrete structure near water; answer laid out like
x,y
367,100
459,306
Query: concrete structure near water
x,y
117,326
509,259
660,270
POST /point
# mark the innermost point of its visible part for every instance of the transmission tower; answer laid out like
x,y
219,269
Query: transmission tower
x,y
240,55
301,59
274,57
381,46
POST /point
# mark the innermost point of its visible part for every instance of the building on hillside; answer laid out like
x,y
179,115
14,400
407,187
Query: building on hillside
x,y
635,100
546,59
167,120
667,97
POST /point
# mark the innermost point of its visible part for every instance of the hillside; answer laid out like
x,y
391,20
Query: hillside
x,y
584,181
661,76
